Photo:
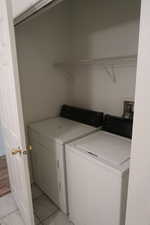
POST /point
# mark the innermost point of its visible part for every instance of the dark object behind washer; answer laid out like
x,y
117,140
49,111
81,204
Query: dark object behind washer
x,y
85,116
118,125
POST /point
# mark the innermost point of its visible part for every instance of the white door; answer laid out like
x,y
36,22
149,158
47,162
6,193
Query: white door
x,y
11,116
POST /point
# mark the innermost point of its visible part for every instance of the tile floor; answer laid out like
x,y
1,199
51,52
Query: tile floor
x,y
46,213
9,215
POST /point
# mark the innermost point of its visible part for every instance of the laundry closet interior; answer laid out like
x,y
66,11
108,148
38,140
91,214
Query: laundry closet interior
x,y
76,53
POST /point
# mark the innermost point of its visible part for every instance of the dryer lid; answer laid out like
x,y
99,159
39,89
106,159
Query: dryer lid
x,y
108,147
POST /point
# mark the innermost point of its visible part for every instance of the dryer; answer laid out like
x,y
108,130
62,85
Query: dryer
x,y
97,174
48,139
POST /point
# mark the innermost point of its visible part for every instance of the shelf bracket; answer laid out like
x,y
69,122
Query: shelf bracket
x,y
111,72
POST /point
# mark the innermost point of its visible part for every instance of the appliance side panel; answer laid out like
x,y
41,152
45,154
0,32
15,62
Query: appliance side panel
x,y
61,177
124,193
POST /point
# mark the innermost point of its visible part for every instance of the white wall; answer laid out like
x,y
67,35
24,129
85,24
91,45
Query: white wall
x,y
104,29
138,209
40,42
78,30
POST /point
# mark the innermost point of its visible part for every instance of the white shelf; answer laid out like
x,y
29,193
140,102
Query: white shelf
x,y
107,63
119,60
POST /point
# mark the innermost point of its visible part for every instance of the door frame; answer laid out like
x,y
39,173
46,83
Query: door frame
x,y
138,204
38,8
14,133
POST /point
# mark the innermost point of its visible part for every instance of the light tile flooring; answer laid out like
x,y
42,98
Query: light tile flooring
x,y
9,215
46,213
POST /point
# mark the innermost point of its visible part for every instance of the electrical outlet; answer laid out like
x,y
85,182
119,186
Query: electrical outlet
x,y
128,109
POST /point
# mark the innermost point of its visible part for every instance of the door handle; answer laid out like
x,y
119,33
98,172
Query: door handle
x,y
28,148
16,151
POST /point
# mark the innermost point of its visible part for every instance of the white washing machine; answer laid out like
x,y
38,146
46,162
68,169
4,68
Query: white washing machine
x,y
97,175
48,139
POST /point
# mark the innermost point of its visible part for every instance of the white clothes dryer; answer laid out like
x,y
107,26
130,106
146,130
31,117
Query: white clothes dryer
x,y
49,138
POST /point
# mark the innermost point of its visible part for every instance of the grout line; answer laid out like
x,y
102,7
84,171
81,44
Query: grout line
x,y
43,193
36,186
37,217
40,223
51,202
16,210
50,215
37,197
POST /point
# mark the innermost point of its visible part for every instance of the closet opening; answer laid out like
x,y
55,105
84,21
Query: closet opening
x,y
77,65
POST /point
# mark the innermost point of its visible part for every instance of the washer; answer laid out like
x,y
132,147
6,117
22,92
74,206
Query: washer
x,y
97,174
48,139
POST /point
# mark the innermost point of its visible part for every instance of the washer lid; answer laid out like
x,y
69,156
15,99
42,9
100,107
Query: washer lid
x,y
109,147
61,129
